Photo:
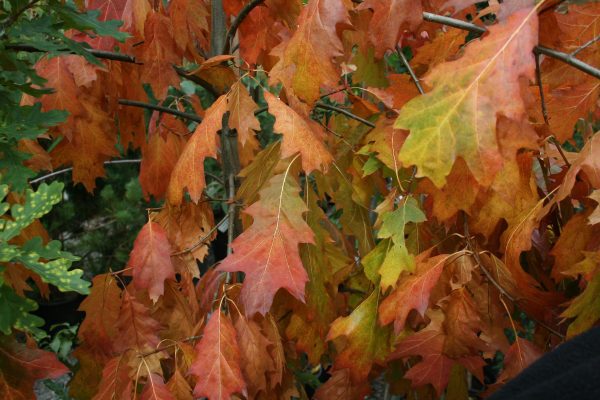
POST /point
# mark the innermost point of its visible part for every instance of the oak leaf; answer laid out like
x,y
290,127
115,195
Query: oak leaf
x,y
217,365
435,366
458,117
155,389
367,341
299,135
159,53
390,18
151,260
21,365
412,291
189,170
254,351
267,252
306,60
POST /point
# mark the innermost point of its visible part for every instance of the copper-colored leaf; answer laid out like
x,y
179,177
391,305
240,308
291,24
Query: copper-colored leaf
x,y
390,18
299,135
217,364
21,366
306,60
189,170
151,260
412,291
267,252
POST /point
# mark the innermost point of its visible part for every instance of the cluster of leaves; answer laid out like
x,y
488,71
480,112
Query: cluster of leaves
x,y
397,222
27,257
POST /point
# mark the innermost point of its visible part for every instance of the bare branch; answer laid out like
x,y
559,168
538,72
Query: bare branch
x,y
106,55
456,23
197,80
155,107
585,45
65,170
410,70
237,22
568,59
494,282
345,112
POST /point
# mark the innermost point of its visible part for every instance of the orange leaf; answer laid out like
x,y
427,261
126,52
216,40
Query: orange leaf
x,y
217,365
267,252
151,260
158,53
305,61
299,135
189,170
412,291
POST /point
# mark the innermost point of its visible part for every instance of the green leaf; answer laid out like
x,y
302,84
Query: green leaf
x,y
37,204
56,271
14,312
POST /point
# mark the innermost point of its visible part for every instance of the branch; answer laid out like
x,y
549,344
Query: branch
x,y
585,45
410,71
197,80
345,112
456,23
155,107
107,55
13,18
168,346
65,170
494,282
568,59
237,22
203,239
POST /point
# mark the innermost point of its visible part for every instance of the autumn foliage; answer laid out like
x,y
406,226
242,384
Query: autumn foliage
x,y
428,199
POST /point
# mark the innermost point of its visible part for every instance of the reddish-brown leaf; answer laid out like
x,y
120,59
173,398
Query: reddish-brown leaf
x,y
151,260
159,53
257,361
390,18
155,389
217,365
412,291
21,365
267,252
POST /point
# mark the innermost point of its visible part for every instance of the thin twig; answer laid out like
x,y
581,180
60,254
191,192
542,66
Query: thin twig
x,y
203,238
568,59
538,77
197,80
410,70
456,23
167,110
231,213
494,282
237,22
585,45
14,17
65,170
106,55
345,112
168,346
